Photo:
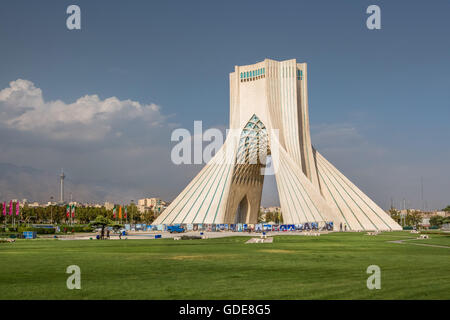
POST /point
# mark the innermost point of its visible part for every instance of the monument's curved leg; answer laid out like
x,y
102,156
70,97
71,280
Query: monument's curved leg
x,y
300,200
359,211
204,198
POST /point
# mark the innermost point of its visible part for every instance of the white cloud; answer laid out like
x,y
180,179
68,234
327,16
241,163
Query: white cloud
x,y
89,118
111,149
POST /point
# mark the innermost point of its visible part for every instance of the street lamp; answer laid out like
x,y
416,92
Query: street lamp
x,y
51,210
132,211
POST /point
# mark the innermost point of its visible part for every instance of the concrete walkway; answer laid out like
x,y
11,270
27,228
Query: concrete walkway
x,y
418,244
168,235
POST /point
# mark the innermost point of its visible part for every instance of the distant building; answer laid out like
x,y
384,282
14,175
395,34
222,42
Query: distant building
x,y
34,204
155,204
92,205
425,222
23,203
404,212
109,205
443,213
270,209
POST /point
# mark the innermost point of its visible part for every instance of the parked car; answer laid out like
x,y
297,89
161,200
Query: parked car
x,y
177,229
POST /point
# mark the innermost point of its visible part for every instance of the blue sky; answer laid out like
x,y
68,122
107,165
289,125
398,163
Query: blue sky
x,y
379,99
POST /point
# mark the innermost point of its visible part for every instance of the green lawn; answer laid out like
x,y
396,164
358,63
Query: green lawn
x,y
331,266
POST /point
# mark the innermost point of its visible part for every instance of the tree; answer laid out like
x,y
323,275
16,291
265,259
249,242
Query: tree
x,y
2,217
275,217
102,222
395,215
148,216
133,215
278,218
414,218
260,216
116,227
447,208
436,221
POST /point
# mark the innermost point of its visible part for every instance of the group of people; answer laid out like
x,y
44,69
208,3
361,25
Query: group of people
x,y
101,236
345,227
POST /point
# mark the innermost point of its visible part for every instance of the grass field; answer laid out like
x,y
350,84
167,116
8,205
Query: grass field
x,y
331,266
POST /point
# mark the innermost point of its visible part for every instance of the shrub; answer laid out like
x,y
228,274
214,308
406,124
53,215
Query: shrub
x,y
38,230
9,235
75,228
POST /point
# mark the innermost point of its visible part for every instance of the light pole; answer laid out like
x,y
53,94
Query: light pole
x,y
132,211
51,210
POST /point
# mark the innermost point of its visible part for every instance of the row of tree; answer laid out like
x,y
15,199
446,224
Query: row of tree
x,y
414,218
275,217
438,221
83,215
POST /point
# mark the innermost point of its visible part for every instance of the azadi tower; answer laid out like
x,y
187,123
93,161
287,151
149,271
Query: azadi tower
x,y
269,116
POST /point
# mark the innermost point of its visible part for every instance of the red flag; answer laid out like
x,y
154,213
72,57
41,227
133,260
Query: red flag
x,y
10,207
17,208
68,211
73,211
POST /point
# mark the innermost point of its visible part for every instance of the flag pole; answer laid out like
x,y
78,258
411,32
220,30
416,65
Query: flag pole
x,y
12,214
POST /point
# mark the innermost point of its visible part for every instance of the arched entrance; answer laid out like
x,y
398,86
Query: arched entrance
x,y
247,178
242,211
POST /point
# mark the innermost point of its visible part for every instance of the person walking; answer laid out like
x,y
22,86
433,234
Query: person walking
x,y
107,233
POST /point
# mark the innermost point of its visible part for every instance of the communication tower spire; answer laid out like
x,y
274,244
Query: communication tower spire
x,y
61,181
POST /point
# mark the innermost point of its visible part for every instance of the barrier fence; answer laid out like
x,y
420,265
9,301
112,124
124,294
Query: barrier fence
x,y
238,227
